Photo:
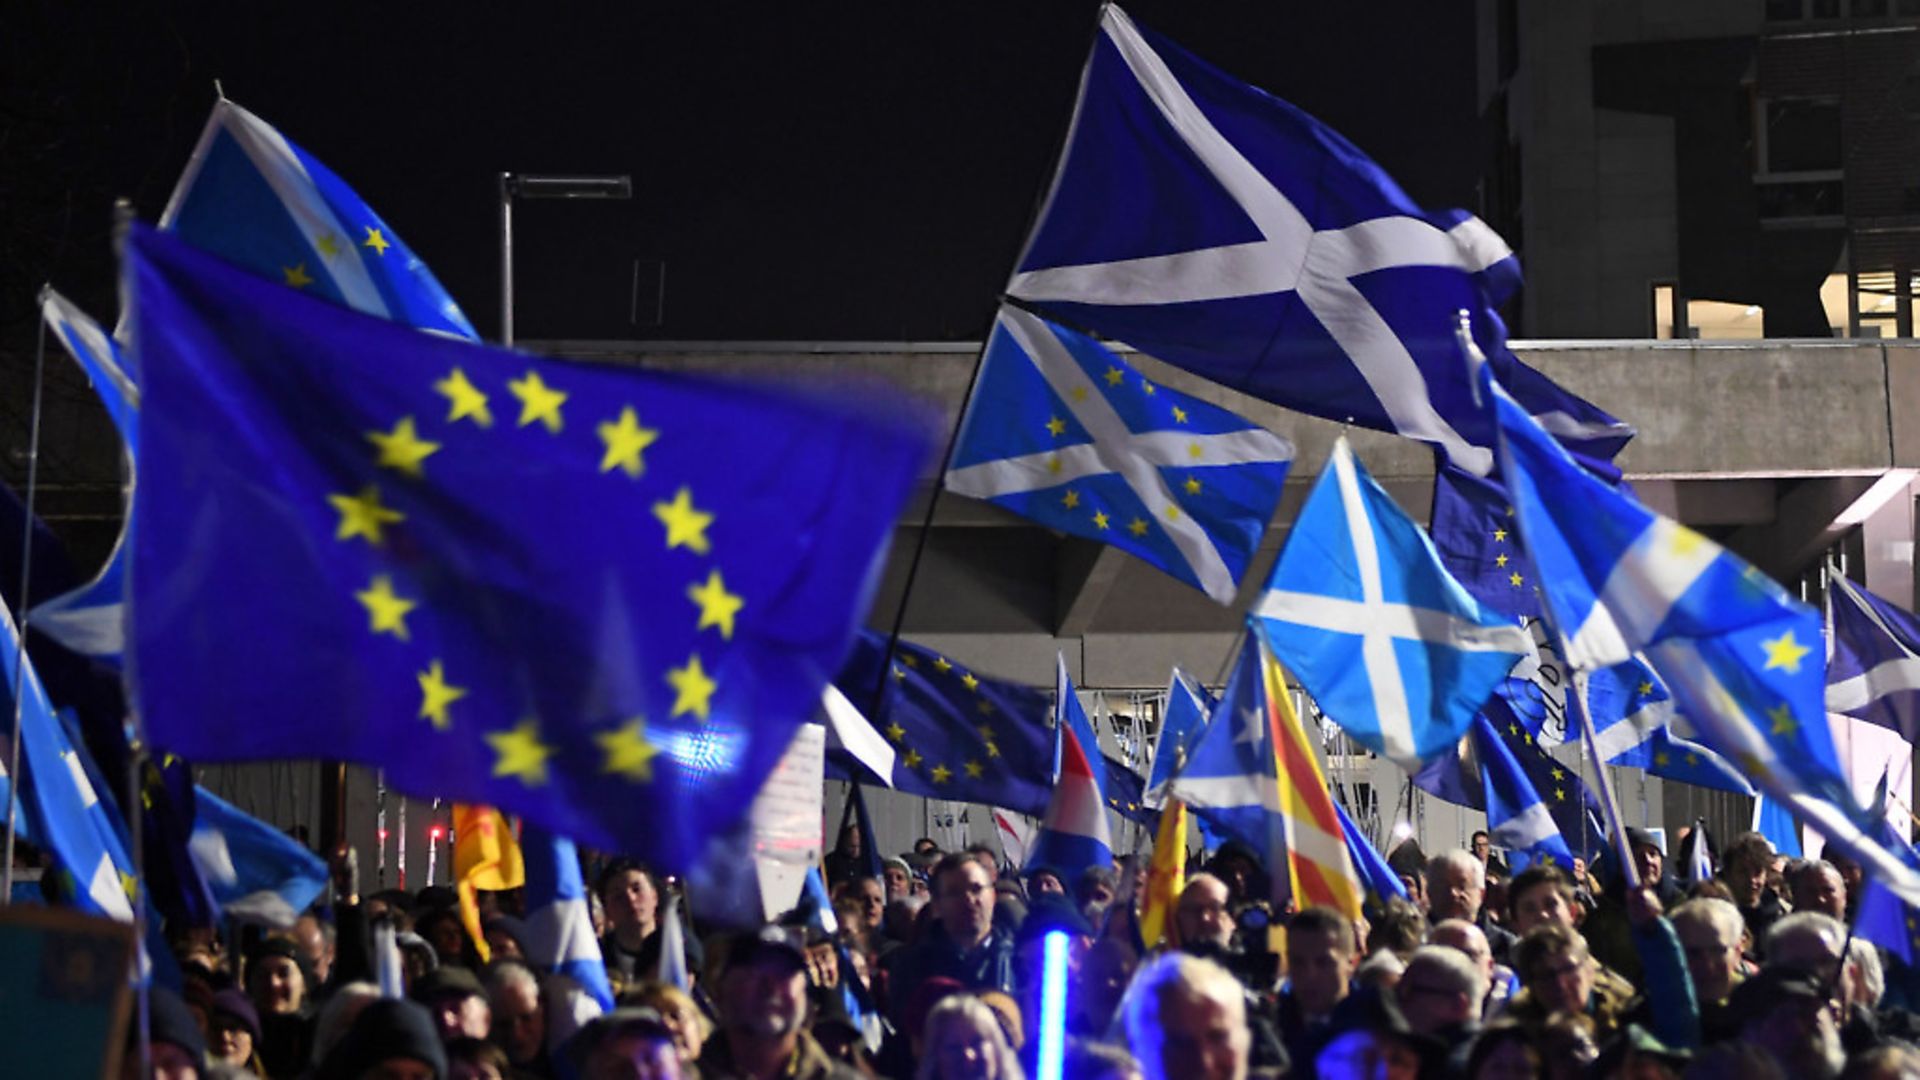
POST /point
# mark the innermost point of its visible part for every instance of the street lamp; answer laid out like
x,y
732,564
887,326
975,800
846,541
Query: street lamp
x,y
543,186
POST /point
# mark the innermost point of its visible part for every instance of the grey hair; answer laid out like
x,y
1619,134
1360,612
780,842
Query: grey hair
x,y
338,1014
1162,977
971,1011
1830,930
1873,978
1721,915
1457,859
504,973
1451,967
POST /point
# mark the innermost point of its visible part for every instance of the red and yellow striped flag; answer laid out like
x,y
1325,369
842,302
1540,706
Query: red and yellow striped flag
x,y
1166,876
485,856
1318,863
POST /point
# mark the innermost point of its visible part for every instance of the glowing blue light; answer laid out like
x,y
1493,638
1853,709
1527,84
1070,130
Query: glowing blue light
x,y
1053,1007
710,751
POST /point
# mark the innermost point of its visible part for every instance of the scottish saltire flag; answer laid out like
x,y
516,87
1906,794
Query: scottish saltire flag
x,y
1379,879
599,599
252,197
1254,776
956,735
1695,857
1073,833
1063,431
1882,916
258,873
1874,672
1360,609
1575,809
1220,229
1517,815
1181,722
1742,658
560,937
89,620
60,807
1472,528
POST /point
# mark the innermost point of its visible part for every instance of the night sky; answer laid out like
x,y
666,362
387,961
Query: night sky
x,y
807,172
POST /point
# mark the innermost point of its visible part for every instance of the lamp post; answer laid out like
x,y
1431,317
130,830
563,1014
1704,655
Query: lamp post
x,y
543,186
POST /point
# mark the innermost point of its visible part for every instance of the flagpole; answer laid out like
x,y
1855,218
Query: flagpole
x,y
1607,800
20,621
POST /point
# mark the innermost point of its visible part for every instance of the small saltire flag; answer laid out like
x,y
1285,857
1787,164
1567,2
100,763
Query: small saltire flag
x,y
1222,230
1472,527
1882,917
599,599
1874,673
1741,657
1073,833
1360,609
956,734
560,937
1515,713
1254,776
258,873
1063,431
485,856
1185,717
1517,815
90,619
1166,875
1695,857
252,197
1379,879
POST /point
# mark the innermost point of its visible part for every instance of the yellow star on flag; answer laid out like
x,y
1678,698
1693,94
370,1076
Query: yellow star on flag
x,y
693,690
1148,387
942,665
1053,464
910,660
942,774
1782,717
1693,759
975,770
1500,559
402,448
363,515
1193,486
1194,451
328,243
1179,415
1784,652
970,682
468,402
538,401
686,524
296,275
1646,688
1499,536
1056,427
912,758
1559,774
625,439
436,694
1560,794
899,673
521,753
1173,512
896,732
1078,393
1662,759
1114,376
1071,500
983,707
1684,540
718,607
386,610
628,753
1515,579
376,241
1138,527
1100,520
986,733
992,750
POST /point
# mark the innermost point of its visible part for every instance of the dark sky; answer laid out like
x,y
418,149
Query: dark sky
x,y
806,171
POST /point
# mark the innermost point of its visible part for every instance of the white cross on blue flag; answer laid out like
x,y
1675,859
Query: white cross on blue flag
x,y
1875,671
1359,607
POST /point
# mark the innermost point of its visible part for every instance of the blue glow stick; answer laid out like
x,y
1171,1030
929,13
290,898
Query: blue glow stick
x,y
1053,1008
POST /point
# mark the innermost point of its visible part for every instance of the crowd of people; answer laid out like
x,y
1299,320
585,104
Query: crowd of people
x,y
932,970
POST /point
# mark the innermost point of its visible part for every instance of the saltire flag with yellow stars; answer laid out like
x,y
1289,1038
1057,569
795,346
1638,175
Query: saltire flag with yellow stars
x,y
601,599
1063,431
1743,659
254,198
1518,813
1882,917
956,735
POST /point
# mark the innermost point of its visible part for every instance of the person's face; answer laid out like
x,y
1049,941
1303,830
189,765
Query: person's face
x,y
1563,982
448,939
170,1062
925,846
1319,966
399,1069
1100,894
1648,860
766,997
850,841
1202,915
1366,1054
519,1025
899,884
1711,959
1046,885
1802,1035
1201,1039
1482,847
232,1042
1540,905
634,1056
1416,889
1579,869
1456,895
1428,1004
455,1015
1821,890
1513,1059
503,946
965,899
962,1052
1468,939
311,940
631,902
872,897
278,986
470,1070
1746,879
684,1026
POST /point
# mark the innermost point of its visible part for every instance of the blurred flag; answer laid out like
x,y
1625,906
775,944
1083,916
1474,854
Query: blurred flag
x,y
871,864
956,735
1517,816
1063,431
1016,837
1379,880
1125,792
1224,231
1185,717
1473,530
485,856
1359,608
1166,876
560,937
258,873
428,556
1695,857
1254,776
1874,672
852,740
1775,822
673,947
252,197
1742,658
1073,833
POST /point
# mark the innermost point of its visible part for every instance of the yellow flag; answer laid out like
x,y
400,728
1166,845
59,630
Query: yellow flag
x,y
485,856
1166,876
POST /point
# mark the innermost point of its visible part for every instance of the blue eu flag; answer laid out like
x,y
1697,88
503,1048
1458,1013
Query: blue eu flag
x,y
602,599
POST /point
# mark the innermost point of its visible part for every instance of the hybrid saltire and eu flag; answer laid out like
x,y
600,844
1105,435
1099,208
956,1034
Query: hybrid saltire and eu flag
x,y
369,544
1073,834
1223,231
1063,431
1740,656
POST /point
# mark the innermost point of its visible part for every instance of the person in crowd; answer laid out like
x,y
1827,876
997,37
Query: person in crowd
x,y
519,1018
688,1025
1368,1036
1502,984
1538,895
442,928
1482,845
1456,885
1201,917
1400,929
1745,867
506,936
476,1059
898,877
1815,885
1558,975
927,846
846,857
233,1031
391,1039
1045,881
176,1045
457,1002
1239,866
1650,861
963,1040
631,947
869,897
987,858
964,945
1379,971
1504,1050
625,1044
315,939
763,1013
1852,877
1096,888
1711,932
279,985
1186,1019
1100,983
1321,956
1440,995
1790,1016
336,1017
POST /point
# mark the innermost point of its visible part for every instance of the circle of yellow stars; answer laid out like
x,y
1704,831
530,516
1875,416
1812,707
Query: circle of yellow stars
x,y
975,766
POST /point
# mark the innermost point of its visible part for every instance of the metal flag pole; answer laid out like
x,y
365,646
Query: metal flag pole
x,y
20,621
1607,801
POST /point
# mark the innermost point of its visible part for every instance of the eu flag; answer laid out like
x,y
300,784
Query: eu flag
x,y
1472,527
955,734
602,599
